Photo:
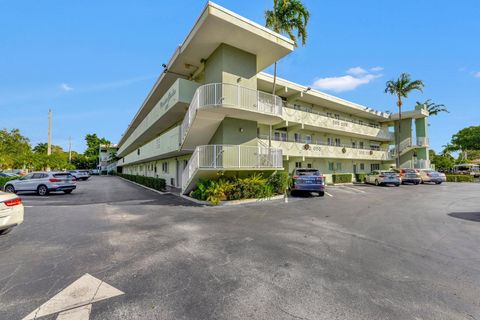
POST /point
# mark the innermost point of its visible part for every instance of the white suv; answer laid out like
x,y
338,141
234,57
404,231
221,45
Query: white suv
x,y
80,174
43,183
11,212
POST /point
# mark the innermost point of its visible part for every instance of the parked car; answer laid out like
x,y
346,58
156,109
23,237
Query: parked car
x,y
429,175
409,176
11,212
309,180
80,174
6,174
383,177
95,172
42,183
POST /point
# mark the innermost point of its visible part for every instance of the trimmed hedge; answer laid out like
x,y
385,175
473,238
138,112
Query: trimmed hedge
x,y
4,180
154,183
341,178
360,177
460,178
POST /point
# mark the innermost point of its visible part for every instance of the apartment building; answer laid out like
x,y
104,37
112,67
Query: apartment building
x,y
212,112
107,158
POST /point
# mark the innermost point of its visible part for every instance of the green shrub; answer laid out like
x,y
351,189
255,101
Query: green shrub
x,y
342,178
279,181
233,188
460,178
4,180
151,182
360,177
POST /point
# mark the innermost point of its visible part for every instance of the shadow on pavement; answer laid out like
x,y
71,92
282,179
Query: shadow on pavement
x,y
470,216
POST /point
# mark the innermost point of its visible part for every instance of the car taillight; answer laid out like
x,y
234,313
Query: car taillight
x,y
295,177
54,180
74,179
13,202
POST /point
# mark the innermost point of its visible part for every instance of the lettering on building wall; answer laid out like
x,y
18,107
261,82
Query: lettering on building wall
x,y
166,100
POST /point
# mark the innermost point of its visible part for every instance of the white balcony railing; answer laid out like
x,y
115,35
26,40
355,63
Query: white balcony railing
x,y
318,119
229,157
416,164
408,143
422,141
230,95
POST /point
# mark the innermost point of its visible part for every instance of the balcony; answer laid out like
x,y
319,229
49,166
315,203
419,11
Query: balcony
x,y
313,120
209,159
213,102
315,149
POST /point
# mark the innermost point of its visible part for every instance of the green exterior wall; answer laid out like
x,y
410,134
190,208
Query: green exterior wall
x,y
231,65
236,131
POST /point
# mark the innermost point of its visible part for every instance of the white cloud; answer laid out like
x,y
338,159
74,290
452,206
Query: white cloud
x,y
477,74
65,87
356,71
376,69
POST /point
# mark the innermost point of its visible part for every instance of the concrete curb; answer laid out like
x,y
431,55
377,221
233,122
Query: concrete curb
x,y
205,203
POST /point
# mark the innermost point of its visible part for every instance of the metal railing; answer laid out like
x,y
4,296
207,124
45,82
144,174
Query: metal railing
x,y
408,143
230,95
231,157
416,164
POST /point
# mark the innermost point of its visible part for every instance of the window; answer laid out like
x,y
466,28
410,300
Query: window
x,y
138,151
308,138
337,142
280,136
297,137
339,166
361,144
362,166
165,167
374,166
330,141
298,164
337,116
329,114
38,176
331,166
354,144
155,168
309,165
360,122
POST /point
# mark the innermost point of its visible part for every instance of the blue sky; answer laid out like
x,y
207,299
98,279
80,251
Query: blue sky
x,y
93,62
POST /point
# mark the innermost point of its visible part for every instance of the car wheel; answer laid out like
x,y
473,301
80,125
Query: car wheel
x,y
397,185
67,191
376,183
438,182
42,190
416,183
321,193
422,182
5,231
9,188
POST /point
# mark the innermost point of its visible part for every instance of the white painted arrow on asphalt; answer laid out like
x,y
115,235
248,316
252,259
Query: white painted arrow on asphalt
x,y
75,301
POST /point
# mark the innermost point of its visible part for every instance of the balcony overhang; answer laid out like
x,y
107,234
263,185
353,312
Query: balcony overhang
x,y
216,25
293,91
412,114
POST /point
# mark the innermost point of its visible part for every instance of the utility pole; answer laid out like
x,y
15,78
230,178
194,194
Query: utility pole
x,y
49,144
69,149
49,148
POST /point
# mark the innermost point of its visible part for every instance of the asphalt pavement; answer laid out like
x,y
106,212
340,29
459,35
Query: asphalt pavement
x,y
360,252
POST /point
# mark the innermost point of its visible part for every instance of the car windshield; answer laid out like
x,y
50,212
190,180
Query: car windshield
x,y
410,171
308,172
389,173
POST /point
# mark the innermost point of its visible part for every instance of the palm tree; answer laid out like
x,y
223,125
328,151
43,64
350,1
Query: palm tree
x,y
401,89
286,17
433,108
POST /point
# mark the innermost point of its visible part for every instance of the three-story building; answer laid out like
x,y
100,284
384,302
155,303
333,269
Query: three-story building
x,y
212,111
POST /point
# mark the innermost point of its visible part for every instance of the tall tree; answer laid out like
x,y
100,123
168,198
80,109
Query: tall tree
x,y
401,88
466,140
432,108
93,144
14,149
287,16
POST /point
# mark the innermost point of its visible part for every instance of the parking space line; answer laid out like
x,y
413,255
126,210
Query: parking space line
x,y
355,189
328,194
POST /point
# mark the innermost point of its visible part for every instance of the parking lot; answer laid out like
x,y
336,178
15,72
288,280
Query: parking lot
x,y
360,252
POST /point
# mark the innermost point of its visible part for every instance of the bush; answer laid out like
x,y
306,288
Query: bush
x,y
342,178
460,178
360,177
279,181
154,183
233,188
4,180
